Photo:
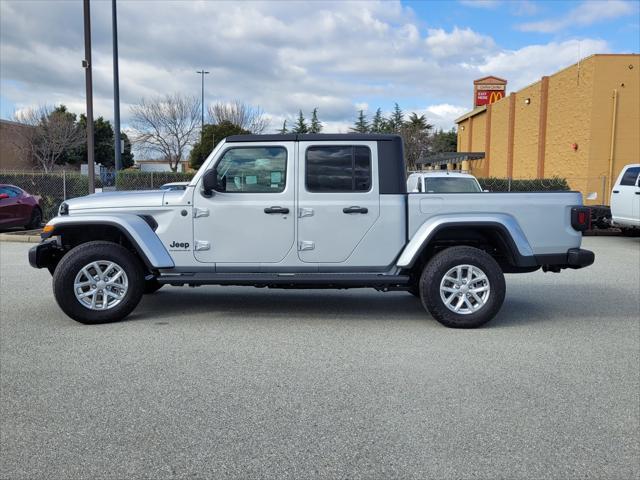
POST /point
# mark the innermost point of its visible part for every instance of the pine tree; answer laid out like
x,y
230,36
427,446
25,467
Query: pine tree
x,y
361,125
377,124
397,118
316,125
301,125
283,130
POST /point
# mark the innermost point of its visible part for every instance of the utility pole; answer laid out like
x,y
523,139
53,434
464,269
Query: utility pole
x,y
86,63
202,73
116,89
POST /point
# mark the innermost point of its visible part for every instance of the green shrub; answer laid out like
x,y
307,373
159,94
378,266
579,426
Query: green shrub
x,y
530,185
136,180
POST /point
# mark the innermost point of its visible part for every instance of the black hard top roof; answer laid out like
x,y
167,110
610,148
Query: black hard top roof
x,y
313,137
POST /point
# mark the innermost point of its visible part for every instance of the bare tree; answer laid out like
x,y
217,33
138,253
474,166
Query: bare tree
x,y
46,135
166,126
245,116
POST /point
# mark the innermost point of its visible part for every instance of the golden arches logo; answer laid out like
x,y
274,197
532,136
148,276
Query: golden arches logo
x,y
495,96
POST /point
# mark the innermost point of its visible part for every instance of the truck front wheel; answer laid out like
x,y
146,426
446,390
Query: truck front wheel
x,y
98,282
462,287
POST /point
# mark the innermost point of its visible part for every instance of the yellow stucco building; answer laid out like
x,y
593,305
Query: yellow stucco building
x,y
581,123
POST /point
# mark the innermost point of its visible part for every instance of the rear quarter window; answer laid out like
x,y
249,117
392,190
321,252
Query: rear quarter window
x,y
630,176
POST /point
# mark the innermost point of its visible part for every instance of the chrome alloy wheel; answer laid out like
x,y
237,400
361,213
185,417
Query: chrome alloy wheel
x,y
465,289
100,285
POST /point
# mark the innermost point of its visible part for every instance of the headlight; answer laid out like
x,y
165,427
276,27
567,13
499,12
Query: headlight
x,y
63,209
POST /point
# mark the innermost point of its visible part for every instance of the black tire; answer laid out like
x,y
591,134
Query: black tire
x,y
435,271
152,286
84,254
36,219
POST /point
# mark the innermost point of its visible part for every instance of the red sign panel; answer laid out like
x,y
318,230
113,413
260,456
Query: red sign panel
x,y
485,97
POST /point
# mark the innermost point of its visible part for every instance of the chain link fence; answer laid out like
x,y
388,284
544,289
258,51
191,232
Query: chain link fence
x,y
55,187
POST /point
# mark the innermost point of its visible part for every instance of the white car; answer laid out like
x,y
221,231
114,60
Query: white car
x,y
625,197
442,181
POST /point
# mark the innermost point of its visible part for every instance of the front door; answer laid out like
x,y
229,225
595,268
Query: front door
x,y
338,199
250,219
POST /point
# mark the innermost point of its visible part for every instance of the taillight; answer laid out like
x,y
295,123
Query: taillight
x,y
581,218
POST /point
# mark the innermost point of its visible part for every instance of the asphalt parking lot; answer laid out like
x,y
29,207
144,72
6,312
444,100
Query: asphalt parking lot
x,y
226,382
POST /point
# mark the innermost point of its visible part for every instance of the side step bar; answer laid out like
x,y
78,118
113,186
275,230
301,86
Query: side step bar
x,y
288,280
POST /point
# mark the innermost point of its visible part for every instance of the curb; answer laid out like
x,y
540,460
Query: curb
x,y
8,237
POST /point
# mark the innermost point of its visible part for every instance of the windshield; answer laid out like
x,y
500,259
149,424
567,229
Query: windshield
x,y
451,185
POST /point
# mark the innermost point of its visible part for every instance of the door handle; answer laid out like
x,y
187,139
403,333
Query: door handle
x,y
616,191
276,210
355,210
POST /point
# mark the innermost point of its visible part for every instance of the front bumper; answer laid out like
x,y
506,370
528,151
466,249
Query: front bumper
x,y
45,254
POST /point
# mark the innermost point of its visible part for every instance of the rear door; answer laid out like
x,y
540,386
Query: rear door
x,y
338,198
251,219
625,197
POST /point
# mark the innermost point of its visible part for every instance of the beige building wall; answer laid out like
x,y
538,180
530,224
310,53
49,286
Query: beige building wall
x,y
525,139
584,141
499,137
620,74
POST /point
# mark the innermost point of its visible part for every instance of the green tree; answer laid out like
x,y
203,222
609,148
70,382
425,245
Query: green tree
x,y
316,125
377,124
361,125
211,136
283,130
301,125
444,141
397,119
419,122
104,151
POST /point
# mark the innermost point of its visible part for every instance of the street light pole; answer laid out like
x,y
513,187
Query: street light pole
x,y
86,63
116,88
202,73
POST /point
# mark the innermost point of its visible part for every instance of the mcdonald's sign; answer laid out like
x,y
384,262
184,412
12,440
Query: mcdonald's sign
x,y
487,94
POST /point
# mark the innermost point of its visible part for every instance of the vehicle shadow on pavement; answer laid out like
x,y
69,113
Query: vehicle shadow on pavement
x,y
239,302
523,304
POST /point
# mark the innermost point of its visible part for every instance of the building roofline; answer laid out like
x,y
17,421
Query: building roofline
x,y
472,113
476,82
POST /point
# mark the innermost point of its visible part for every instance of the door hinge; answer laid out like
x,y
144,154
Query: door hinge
x,y
306,245
200,212
305,212
201,245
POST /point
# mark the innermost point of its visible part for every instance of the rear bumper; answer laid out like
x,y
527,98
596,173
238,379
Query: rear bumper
x,y
45,254
574,258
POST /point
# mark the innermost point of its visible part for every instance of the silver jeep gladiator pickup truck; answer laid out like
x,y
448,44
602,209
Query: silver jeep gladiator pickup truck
x,y
307,211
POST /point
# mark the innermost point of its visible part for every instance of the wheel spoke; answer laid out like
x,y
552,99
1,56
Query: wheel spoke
x,y
109,267
87,293
459,304
477,299
97,269
113,279
450,299
449,290
481,289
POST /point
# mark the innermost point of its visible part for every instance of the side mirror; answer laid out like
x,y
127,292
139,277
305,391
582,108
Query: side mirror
x,y
209,182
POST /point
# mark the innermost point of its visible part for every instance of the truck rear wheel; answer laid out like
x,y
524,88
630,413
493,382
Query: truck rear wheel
x,y
98,282
462,287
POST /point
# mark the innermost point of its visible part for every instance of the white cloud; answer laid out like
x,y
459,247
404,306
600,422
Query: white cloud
x,y
338,57
526,65
587,13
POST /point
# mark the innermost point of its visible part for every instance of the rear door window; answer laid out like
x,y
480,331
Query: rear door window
x,y
331,169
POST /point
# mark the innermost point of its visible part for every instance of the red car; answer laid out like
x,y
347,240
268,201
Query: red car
x,y
18,208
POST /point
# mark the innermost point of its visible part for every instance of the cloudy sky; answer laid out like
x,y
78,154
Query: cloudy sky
x,y
286,55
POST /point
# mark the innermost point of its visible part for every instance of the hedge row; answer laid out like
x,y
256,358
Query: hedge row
x,y
533,185
136,180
